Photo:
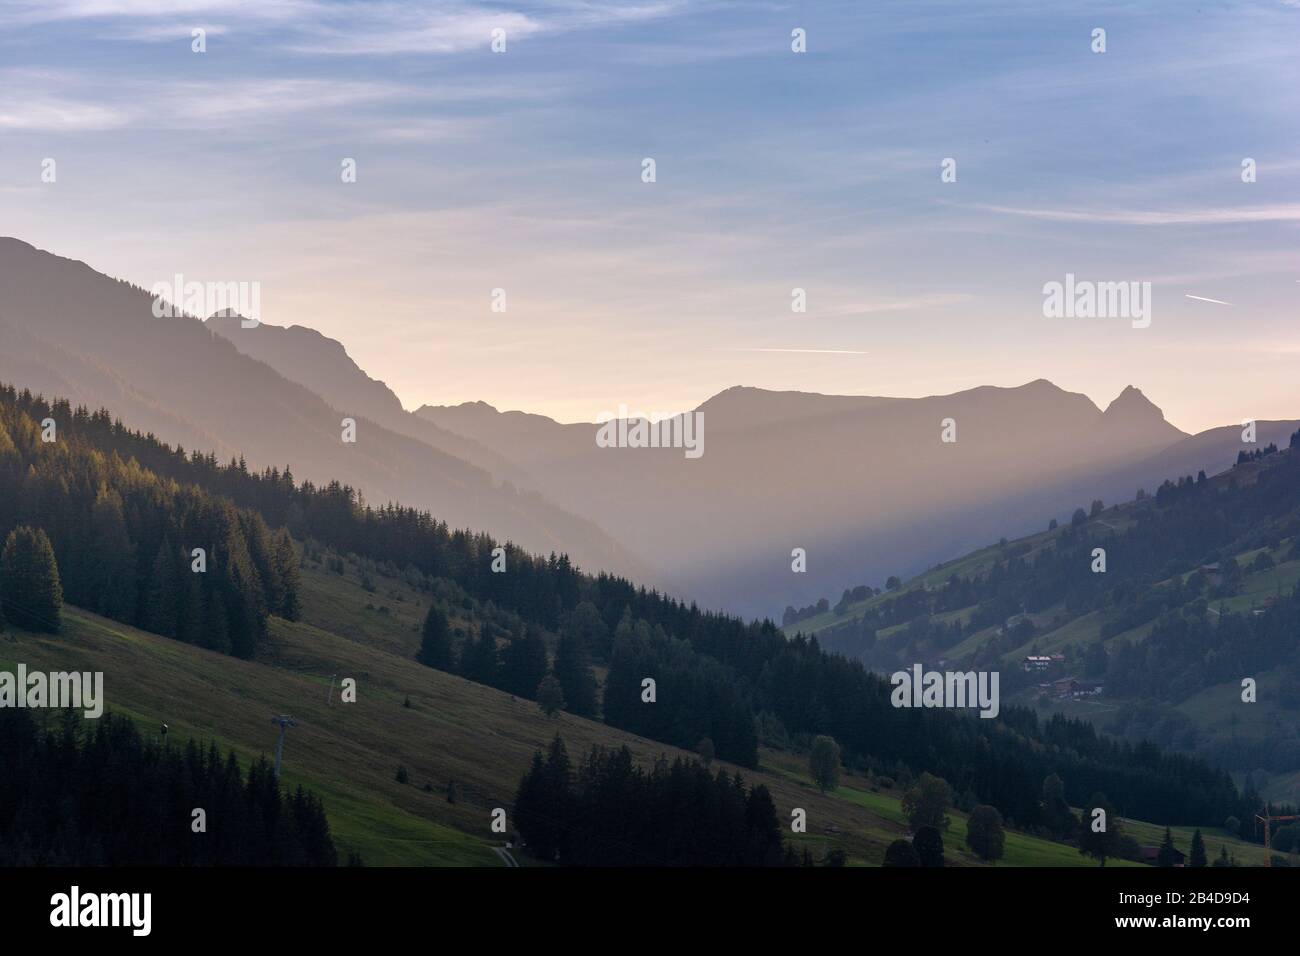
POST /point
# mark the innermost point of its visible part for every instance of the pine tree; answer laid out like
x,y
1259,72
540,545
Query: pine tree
x,y
285,562
478,661
585,620
111,559
573,671
190,607
216,626
31,595
163,599
550,695
763,832
435,640
529,811
1198,857
1166,855
242,590
1057,815
524,663
557,798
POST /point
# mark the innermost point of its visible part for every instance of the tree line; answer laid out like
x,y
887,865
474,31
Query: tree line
x,y
611,812
108,797
133,545
1153,568
718,676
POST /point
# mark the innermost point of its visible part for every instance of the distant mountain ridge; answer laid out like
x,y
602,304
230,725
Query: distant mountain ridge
x,y
865,485
68,330
322,364
861,483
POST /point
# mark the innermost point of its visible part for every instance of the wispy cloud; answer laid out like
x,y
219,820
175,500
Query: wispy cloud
x,y
69,101
1284,212
349,27
389,30
56,114
181,105
33,12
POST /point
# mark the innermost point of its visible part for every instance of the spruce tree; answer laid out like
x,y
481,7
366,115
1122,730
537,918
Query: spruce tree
x,y
285,562
478,661
190,608
1057,815
524,663
216,626
435,640
550,695
587,622
1198,857
163,598
31,596
529,812
573,670
112,559
1166,855
762,830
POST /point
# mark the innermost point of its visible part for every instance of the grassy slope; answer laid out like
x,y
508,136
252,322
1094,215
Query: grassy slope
x,y
1058,630
1149,834
1256,587
481,738
1080,630
455,730
1020,848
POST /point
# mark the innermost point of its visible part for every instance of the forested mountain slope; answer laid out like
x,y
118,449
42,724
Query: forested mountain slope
x,y
1198,593
717,676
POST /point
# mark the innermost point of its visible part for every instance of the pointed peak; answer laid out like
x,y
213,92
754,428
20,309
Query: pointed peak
x,y
1132,400
1134,413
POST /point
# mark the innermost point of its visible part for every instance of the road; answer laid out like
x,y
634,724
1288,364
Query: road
x,y
506,858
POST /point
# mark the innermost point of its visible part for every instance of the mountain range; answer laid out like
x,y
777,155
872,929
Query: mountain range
x,y
1142,618
865,485
68,330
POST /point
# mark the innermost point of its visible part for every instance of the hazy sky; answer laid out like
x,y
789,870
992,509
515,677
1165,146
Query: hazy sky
x,y
775,170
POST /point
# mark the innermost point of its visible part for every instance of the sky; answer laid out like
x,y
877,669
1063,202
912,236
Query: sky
x,y
774,170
